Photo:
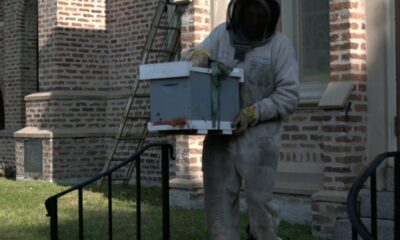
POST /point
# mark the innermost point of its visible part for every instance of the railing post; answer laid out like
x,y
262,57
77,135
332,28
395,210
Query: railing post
x,y
397,198
80,212
165,191
138,199
374,218
354,234
110,225
51,205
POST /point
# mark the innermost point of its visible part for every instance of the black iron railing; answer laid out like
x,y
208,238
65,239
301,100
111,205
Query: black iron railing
x,y
358,227
166,153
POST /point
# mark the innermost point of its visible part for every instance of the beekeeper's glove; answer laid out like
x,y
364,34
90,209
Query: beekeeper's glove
x,y
199,58
247,117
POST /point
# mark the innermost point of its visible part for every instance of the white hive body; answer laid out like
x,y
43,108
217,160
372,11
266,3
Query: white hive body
x,y
181,98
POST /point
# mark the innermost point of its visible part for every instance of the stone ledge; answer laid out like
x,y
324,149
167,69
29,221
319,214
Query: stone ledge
x,y
33,132
186,183
330,196
79,95
7,132
296,188
285,188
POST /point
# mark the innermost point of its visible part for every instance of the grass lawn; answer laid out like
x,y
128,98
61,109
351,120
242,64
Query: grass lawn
x,y
23,215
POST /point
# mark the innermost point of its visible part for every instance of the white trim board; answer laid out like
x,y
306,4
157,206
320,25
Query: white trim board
x,y
177,70
200,127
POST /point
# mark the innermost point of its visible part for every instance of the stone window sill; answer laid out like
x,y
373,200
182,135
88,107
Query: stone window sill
x,y
312,92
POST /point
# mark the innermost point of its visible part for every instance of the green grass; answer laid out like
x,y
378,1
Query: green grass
x,y
23,215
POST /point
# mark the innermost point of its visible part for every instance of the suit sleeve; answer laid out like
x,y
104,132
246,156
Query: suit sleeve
x,y
211,42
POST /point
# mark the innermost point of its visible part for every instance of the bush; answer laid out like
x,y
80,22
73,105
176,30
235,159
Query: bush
x,y
10,173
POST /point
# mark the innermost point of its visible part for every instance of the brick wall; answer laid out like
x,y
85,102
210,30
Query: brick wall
x,y
188,162
88,53
73,45
345,150
196,25
344,131
6,155
72,114
29,48
17,67
7,150
302,137
1,44
82,14
13,30
128,24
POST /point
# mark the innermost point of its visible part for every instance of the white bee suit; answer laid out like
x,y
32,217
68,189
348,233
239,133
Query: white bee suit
x,y
271,85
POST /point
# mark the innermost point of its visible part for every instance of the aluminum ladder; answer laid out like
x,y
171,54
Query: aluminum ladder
x,y
171,48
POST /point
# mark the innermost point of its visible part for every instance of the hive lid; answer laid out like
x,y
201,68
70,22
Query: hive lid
x,y
176,70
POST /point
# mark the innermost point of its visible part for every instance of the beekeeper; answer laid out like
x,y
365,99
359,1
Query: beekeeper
x,y
249,40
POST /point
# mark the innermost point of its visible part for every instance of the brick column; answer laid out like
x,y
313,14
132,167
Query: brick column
x,y
73,53
344,130
189,177
18,69
345,140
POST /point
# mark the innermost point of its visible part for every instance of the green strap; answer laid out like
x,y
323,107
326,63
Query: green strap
x,y
219,72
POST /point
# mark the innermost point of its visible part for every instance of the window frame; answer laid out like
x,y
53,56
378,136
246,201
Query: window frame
x,y
310,91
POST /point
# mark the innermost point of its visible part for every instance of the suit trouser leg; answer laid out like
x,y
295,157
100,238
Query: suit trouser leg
x,y
221,191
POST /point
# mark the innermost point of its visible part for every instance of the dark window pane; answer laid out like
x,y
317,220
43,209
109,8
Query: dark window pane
x,y
314,40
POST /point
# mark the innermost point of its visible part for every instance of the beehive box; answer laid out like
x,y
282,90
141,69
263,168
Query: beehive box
x,y
181,98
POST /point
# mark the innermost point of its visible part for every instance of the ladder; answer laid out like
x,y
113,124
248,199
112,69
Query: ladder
x,y
171,48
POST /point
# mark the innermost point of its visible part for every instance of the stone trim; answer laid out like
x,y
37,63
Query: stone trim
x,y
330,196
180,183
33,132
79,95
298,189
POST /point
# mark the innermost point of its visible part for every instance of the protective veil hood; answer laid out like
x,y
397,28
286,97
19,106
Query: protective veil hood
x,y
239,42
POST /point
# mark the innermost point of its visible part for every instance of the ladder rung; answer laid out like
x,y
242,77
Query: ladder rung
x,y
168,28
121,179
162,51
130,138
178,2
142,95
135,118
118,179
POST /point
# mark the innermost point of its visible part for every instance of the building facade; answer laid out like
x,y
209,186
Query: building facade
x,y
66,67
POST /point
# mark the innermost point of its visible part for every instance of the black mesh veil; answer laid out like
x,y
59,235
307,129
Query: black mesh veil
x,y
234,11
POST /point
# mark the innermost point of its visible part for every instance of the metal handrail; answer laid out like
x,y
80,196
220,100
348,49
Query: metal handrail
x,y
358,226
51,202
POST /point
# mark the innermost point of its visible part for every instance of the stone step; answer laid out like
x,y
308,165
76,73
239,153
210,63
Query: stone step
x,y
385,204
390,179
385,229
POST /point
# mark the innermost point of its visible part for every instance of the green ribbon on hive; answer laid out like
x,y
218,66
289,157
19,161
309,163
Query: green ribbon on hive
x,y
219,72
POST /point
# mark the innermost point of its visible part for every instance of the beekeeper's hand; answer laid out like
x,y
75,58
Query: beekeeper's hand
x,y
199,58
247,117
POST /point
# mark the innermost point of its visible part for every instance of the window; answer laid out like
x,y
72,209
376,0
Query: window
x,y
306,23
218,12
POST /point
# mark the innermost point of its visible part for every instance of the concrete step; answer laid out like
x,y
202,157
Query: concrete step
x,y
385,229
390,179
385,204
